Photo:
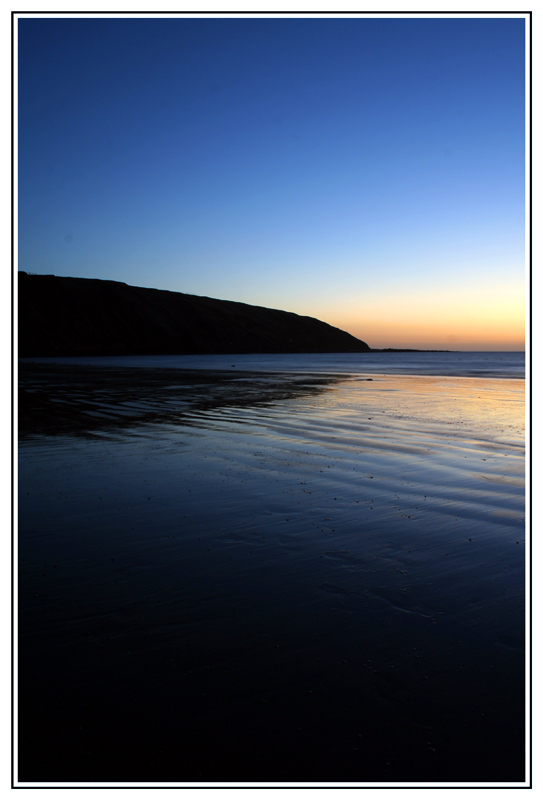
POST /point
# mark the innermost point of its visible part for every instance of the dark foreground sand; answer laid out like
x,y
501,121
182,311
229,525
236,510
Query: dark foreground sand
x,y
270,578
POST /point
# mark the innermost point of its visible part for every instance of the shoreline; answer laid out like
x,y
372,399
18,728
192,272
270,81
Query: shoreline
x,y
486,363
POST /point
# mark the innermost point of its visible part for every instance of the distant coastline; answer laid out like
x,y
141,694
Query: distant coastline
x,y
407,350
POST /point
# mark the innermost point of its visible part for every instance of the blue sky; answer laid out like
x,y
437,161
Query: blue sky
x,y
369,172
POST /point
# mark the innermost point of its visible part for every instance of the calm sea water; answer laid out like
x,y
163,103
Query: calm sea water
x,y
461,364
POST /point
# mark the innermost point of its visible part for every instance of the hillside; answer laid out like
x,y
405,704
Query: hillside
x,y
80,316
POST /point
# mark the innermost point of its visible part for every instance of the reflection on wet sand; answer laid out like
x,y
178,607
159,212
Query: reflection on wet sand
x,y
271,578
55,399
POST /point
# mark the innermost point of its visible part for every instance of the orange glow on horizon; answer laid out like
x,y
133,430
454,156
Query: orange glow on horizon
x,y
490,318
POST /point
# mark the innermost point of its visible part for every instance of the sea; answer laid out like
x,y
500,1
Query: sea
x,y
460,363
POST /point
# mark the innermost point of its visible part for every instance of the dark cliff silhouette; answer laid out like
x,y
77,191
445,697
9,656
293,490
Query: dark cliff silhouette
x,y
81,316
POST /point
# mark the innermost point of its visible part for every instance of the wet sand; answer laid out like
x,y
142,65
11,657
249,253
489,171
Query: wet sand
x,y
270,578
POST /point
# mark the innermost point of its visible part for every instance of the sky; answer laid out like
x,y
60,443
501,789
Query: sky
x,y
369,172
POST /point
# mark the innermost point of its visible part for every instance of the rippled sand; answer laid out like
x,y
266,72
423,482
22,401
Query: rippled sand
x,y
271,578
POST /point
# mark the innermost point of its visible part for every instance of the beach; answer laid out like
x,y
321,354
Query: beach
x,y
233,575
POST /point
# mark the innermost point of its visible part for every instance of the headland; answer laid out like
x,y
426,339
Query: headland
x,y
61,316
